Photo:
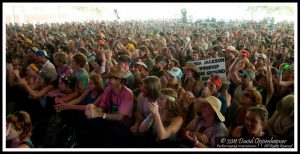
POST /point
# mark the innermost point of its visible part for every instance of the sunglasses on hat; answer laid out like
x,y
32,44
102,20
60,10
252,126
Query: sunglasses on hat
x,y
243,76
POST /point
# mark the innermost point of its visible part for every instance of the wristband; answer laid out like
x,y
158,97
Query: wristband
x,y
196,142
104,116
148,120
279,73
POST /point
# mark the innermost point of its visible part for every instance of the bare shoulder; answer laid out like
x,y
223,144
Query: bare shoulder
x,y
23,146
177,119
237,131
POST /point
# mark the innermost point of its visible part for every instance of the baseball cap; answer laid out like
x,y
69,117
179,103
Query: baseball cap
x,y
42,53
142,64
124,58
247,73
176,72
246,53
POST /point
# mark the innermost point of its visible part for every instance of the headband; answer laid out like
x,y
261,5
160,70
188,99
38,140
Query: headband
x,y
170,98
33,66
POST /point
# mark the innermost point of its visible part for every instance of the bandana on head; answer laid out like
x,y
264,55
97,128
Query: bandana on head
x,y
101,42
34,67
216,81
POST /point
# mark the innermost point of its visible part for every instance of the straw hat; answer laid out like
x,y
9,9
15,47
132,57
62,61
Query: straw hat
x,y
231,48
286,106
117,72
216,104
142,64
193,68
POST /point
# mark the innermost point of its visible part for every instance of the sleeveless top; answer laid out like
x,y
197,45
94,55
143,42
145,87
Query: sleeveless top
x,y
172,138
29,143
245,134
89,99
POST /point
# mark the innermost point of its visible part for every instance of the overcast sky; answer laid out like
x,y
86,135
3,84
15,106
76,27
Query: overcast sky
x,y
159,10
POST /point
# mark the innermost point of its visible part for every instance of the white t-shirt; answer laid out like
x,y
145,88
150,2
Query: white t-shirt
x,y
50,69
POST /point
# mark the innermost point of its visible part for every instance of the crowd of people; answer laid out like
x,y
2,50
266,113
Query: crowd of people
x,y
130,84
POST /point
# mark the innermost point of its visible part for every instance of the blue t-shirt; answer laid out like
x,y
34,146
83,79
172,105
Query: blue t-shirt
x,y
223,101
89,99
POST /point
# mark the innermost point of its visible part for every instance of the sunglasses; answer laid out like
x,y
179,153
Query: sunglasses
x,y
66,79
243,76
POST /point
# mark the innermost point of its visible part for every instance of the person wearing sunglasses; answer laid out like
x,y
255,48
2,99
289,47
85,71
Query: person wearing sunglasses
x,y
109,117
248,98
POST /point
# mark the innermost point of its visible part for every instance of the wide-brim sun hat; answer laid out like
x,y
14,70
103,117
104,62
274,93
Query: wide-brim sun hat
x,y
193,68
216,104
142,64
117,72
285,107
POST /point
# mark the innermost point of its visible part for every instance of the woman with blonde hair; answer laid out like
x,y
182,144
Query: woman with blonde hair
x,y
18,130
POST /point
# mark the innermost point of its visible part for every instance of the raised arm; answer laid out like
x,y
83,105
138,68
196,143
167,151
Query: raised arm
x,y
233,70
145,125
78,99
37,94
171,129
279,77
270,90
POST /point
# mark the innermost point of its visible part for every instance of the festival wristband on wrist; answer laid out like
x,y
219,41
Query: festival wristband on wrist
x,y
279,73
196,142
148,120
104,116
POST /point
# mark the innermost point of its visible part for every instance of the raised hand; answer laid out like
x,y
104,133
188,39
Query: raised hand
x,y
8,127
58,104
10,67
153,107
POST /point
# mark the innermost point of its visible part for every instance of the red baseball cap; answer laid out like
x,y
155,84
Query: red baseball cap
x,y
246,53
